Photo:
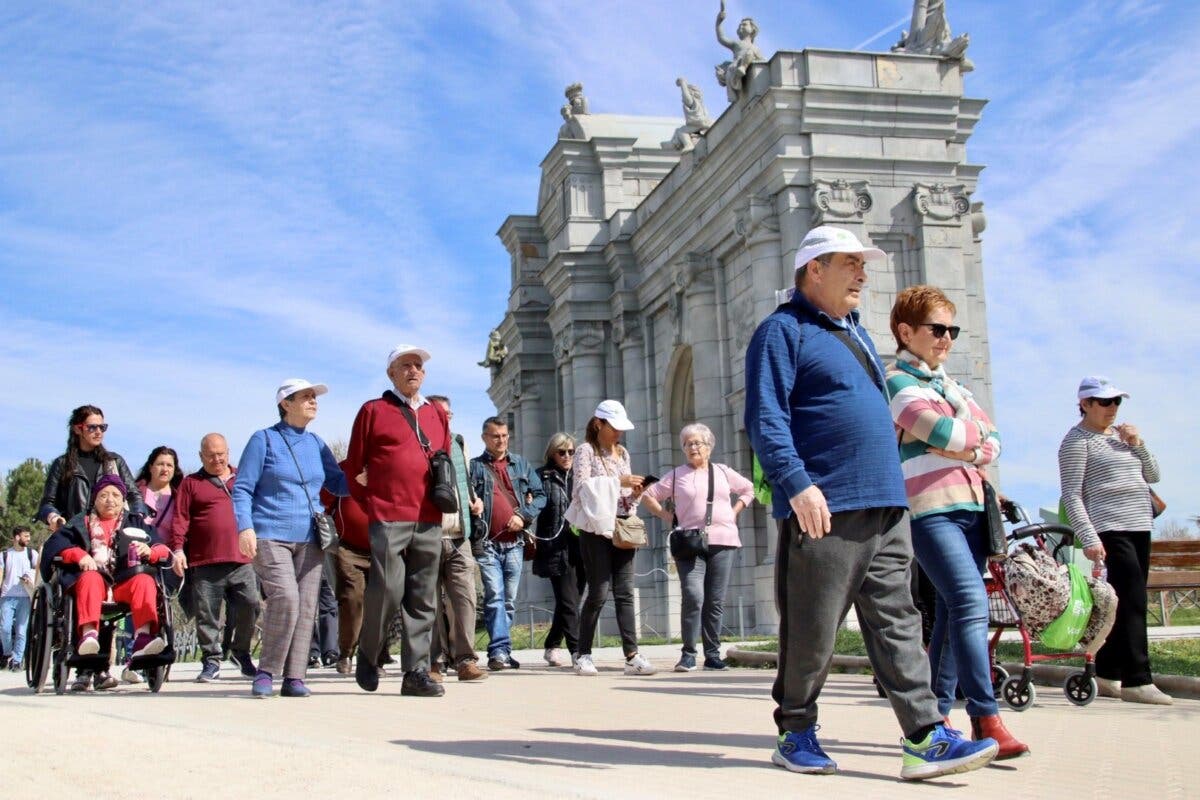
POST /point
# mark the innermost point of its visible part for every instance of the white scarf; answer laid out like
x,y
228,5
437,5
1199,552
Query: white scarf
x,y
956,395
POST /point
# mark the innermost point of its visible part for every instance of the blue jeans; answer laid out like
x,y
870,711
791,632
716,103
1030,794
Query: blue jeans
x,y
14,610
500,568
952,549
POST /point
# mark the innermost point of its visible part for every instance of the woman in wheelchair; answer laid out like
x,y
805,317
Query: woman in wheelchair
x,y
106,548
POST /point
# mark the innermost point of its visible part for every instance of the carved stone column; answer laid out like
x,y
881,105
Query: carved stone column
x,y
942,213
562,368
693,278
587,369
756,221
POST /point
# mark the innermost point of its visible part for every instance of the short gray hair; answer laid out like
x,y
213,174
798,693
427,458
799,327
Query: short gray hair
x,y
697,428
558,441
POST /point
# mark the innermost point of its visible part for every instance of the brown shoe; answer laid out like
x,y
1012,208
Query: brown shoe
x,y
470,671
343,667
993,728
435,673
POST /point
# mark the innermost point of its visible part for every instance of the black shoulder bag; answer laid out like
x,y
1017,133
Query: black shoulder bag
x,y
443,489
327,535
691,542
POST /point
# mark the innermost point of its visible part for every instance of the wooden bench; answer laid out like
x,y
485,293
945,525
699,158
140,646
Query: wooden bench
x,y
1174,576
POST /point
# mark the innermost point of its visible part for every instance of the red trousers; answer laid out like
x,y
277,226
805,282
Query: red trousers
x,y
140,593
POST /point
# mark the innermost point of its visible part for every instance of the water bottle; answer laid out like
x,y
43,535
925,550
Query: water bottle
x,y
132,558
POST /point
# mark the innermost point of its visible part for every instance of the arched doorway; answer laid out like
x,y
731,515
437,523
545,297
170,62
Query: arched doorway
x,y
680,392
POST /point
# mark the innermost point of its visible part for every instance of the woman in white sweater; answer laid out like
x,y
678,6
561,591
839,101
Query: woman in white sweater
x,y
1104,471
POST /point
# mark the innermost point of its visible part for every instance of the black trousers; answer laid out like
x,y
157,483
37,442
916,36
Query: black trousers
x,y
607,568
1125,656
567,588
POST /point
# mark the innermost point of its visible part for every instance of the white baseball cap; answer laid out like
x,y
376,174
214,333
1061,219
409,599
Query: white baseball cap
x,y
614,413
293,385
405,349
1099,387
828,239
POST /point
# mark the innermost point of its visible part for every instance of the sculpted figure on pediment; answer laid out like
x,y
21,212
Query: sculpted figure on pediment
x,y
695,116
576,105
930,34
732,73
497,351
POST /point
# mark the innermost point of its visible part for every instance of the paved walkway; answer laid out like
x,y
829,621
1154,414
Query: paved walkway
x,y
541,733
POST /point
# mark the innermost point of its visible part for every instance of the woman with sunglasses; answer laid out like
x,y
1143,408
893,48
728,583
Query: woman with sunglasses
x,y
1105,472
68,493
946,440
557,557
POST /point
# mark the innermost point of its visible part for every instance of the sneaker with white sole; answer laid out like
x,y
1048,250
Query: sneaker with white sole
x,y
638,665
584,665
687,663
1108,688
131,676
555,657
801,752
945,752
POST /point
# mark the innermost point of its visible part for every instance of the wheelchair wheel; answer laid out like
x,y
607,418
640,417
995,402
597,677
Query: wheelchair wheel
x,y
156,677
39,650
66,642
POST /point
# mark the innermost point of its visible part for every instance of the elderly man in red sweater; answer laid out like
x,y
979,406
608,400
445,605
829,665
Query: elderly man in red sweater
x,y
204,537
392,439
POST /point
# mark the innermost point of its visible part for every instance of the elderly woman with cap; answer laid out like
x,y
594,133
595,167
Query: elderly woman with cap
x,y
1105,471
275,494
602,469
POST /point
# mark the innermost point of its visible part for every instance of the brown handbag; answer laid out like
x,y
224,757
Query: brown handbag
x,y
1157,504
629,533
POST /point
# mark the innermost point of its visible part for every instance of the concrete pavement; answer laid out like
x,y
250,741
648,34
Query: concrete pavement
x,y
537,732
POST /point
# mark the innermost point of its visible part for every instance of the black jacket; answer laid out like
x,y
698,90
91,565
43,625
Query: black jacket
x,y
70,495
559,555
75,534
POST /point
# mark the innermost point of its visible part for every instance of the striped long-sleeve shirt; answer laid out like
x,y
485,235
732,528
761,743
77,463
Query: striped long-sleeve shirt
x,y
1105,484
936,484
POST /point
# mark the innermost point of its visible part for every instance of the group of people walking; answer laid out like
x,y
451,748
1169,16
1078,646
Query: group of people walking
x,y
868,467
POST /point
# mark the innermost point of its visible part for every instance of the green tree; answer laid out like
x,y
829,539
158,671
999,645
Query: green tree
x,y
22,491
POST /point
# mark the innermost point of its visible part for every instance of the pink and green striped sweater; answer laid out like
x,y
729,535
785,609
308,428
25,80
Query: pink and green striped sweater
x,y
936,484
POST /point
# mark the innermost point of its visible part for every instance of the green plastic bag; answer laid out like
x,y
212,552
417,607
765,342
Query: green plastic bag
x,y
762,487
1066,631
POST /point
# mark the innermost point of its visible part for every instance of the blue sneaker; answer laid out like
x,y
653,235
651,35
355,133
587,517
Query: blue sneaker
x,y
687,663
801,752
945,752
294,687
264,685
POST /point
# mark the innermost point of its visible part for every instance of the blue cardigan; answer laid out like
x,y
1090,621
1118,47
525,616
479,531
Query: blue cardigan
x,y
814,415
268,495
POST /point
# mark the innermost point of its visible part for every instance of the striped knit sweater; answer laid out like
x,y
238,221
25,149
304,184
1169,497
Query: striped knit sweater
x,y
936,484
1105,484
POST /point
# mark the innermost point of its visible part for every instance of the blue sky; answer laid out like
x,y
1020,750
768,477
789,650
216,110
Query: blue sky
x,y
198,200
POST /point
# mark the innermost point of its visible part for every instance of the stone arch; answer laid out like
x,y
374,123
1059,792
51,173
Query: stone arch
x,y
680,395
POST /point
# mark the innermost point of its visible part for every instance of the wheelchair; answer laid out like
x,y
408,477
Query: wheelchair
x,y
53,638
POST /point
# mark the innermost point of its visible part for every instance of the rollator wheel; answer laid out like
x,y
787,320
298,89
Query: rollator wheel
x,y
1080,689
999,676
1016,696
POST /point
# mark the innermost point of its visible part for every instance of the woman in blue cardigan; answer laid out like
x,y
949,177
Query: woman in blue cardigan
x,y
277,490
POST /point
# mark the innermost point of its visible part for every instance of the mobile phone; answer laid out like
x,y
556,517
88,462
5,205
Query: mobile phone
x,y
648,479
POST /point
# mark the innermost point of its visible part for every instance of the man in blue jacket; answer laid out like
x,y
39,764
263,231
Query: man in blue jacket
x,y
512,498
819,423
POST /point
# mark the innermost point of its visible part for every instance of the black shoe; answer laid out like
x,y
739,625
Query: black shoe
x,y
314,662
366,674
715,662
418,684
497,664
329,659
513,663
244,663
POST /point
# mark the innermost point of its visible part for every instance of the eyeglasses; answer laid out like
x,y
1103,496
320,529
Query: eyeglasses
x,y
939,330
569,452
102,427
1107,401
695,445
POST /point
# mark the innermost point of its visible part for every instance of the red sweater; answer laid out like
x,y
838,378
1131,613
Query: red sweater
x,y
349,517
204,526
383,443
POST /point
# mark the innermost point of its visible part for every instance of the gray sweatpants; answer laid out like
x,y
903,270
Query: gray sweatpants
x,y
865,559
405,557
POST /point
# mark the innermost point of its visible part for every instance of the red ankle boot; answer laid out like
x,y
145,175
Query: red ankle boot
x,y
993,728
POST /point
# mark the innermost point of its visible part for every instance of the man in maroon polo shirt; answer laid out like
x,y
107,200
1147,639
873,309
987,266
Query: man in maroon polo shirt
x,y
392,439
204,538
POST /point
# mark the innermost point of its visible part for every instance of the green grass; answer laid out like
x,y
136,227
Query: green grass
x,y
1168,657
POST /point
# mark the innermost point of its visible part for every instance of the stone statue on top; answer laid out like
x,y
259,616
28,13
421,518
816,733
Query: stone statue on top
x,y
930,34
731,74
497,351
695,116
576,105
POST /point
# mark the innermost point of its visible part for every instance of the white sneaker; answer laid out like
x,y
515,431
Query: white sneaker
x,y
584,665
1146,694
637,665
555,657
1108,688
130,676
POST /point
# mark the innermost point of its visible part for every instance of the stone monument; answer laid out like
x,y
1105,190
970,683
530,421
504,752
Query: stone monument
x,y
695,116
643,270
930,34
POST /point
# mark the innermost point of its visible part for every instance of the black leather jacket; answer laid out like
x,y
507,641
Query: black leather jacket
x,y
558,555
71,495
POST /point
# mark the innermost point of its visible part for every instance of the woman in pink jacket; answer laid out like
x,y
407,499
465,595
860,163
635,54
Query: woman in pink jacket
x,y
704,538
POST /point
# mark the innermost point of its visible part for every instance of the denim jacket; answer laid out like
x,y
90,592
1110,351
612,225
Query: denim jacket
x,y
525,482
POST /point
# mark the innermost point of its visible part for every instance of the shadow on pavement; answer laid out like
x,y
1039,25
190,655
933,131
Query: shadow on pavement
x,y
578,755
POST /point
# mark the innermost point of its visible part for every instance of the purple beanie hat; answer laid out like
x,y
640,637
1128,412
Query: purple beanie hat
x,y
109,480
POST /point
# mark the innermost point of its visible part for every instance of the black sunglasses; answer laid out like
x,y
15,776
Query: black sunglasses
x,y
102,427
1107,401
566,452
939,330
